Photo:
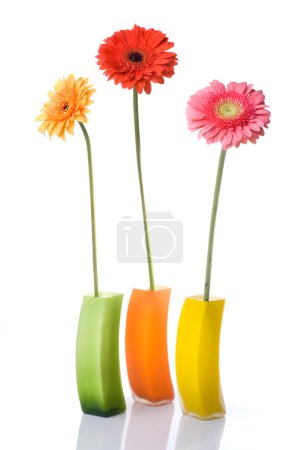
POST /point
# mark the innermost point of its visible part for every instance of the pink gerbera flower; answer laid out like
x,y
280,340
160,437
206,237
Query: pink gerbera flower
x,y
233,115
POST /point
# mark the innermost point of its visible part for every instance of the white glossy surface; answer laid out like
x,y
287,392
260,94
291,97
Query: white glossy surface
x,y
165,428
148,428
195,434
98,433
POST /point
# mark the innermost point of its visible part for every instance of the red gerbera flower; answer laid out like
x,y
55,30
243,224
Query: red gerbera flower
x,y
233,115
136,57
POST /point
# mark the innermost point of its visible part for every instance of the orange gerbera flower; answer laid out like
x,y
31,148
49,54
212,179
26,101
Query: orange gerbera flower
x,y
136,57
67,103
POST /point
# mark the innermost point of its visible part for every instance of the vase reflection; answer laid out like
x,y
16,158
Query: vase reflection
x,y
149,427
97,433
195,434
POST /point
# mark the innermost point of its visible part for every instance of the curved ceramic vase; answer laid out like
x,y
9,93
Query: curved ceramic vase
x,y
197,357
146,346
97,355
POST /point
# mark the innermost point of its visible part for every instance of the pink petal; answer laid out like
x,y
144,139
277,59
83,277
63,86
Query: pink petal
x,y
247,131
238,133
217,86
253,126
240,88
256,97
226,139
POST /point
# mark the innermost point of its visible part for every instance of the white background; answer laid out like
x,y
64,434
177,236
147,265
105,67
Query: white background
x,y
45,250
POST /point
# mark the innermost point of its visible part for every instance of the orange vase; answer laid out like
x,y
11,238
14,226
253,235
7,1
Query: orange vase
x,y
146,346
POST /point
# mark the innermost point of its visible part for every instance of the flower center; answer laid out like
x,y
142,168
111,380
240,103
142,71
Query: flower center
x,y
135,57
65,106
228,109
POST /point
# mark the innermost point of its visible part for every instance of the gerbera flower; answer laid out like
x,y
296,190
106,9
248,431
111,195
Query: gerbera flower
x,y
137,57
68,103
232,115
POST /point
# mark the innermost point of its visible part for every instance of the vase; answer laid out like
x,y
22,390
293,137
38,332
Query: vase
x,y
146,346
197,357
97,355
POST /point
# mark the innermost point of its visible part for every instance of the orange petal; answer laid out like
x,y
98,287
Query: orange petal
x,y
59,127
85,110
70,81
81,118
70,129
41,117
59,85
43,127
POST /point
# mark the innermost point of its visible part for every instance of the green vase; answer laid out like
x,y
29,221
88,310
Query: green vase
x,y
97,355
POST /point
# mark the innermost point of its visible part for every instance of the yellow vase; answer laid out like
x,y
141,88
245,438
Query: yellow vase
x,y
197,357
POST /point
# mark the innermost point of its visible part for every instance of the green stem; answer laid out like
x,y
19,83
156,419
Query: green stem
x,y
138,155
218,182
88,143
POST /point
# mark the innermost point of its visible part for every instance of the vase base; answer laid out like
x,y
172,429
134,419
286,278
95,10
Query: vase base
x,y
147,402
217,415
100,413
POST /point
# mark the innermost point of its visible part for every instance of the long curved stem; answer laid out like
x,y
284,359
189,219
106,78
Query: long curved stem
x,y
138,155
218,182
90,165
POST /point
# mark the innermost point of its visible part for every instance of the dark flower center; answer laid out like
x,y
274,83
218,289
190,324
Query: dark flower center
x,y
65,106
135,57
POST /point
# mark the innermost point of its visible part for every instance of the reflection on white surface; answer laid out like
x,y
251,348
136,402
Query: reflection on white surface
x,y
195,434
97,433
148,427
